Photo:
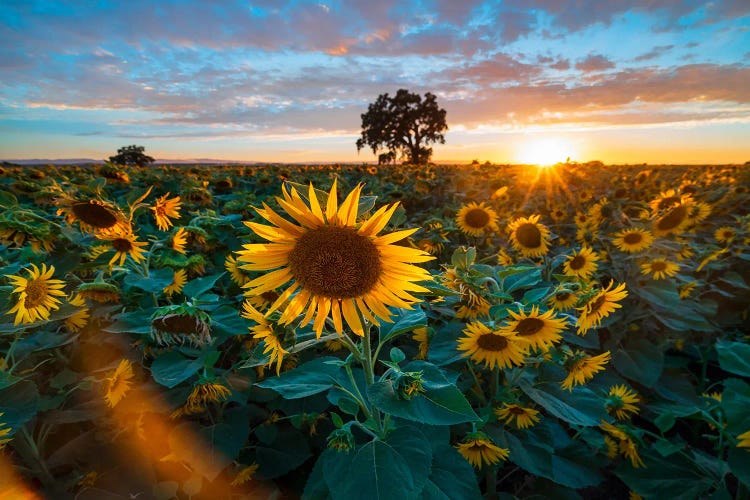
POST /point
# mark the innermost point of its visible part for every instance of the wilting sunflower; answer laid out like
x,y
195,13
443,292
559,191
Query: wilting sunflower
x,y
687,289
178,240
523,417
125,244
118,384
563,299
494,348
582,264
539,331
99,291
622,402
626,446
421,335
337,268
479,450
725,234
93,215
528,236
80,317
178,281
477,219
178,323
165,208
581,368
503,258
600,306
264,330
660,268
245,475
37,294
203,394
633,240
4,433
230,264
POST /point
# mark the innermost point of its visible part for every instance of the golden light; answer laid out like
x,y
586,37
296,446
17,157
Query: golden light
x,y
545,152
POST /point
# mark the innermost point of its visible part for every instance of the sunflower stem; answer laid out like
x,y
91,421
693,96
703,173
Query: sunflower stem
x,y
368,365
490,479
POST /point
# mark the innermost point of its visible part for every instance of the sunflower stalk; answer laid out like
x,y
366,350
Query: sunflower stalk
x,y
368,365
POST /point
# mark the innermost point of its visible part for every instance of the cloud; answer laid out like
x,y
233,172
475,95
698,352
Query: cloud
x,y
655,52
594,62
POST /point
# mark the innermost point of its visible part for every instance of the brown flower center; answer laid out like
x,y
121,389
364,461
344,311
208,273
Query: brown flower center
x,y
94,214
122,244
335,262
577,262
673,219
529,326
36,292
596,304
562,296
477,218
179,323
668,202
517,410
632,238
492,342
658,266
529,235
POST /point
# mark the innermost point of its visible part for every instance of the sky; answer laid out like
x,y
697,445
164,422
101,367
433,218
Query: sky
x,y
522,81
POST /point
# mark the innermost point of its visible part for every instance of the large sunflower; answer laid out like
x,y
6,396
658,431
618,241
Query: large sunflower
x,y
93,216
337,267
540,331
633,240
675,221
494,348
476,219
582,264
528,236
599,307
37,294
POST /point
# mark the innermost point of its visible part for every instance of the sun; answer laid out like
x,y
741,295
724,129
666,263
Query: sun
x,y
544,152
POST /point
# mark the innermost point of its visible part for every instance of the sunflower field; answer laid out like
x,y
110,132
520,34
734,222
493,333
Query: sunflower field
x,y
375,332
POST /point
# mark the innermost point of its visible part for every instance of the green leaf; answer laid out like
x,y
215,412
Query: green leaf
x,y
734,357
195,288
735,400
286,453
307,379
443,345
131,322
639,360
579,406
515,278
18,404
316,487
156,282
451,476
739,463
171,368
394,468
404,321
662,477
442,403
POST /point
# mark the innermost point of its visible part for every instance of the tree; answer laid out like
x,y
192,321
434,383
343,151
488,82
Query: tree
x,y
404,124
131,155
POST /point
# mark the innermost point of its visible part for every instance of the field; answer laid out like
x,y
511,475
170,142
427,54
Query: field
x,y
575,331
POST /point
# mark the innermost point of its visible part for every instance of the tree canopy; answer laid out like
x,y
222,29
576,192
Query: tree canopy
x,y
131,155
404,123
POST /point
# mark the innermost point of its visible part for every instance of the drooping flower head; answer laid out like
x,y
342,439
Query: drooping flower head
x,y
520,416
479,450
37,294
118,384
621,401
332,265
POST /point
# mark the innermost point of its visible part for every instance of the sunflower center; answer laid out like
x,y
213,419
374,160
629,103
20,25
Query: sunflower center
x,y
94,214
517,410
632,238
673,219
477,217
596,304
270,296
178,323
492,342
36,292
529,235
668,202
658,266
122,244
335,262
529,326
561,296
577,262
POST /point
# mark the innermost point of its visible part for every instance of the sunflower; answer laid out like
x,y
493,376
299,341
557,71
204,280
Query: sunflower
x,y
600,306
421,336
118,384
37,294
479,307
93,216
203,394
626,446
528,236
494,348
336,268
581,368
165,208
504,259
476,219
743,440
99,291
80,317
622,402
245,475
265,330
178,281
179,239
582,264
524,417
539,331
687,289
633,240
725,234
4,433
666,199
562,300
479,450
230,264
125,243
661,268
180,322
674,221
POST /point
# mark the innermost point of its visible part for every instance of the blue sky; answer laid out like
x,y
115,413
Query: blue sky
x,y
620,81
